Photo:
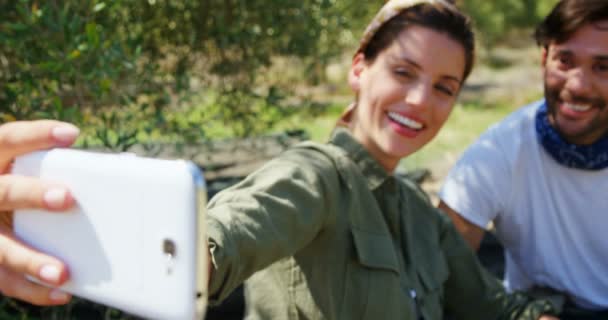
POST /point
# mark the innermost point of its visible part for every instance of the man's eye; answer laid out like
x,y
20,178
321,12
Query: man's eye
x,y
564,61
601,67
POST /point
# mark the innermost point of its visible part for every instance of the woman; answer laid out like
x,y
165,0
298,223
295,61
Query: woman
x,y
325,231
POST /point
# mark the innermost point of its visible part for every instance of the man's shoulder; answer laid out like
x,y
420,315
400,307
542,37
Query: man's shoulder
x,y
518,121
503,144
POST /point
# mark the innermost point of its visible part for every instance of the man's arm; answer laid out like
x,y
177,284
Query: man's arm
x,y
469,231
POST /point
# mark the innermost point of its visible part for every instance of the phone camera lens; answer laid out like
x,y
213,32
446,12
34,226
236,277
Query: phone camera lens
x,y
169,247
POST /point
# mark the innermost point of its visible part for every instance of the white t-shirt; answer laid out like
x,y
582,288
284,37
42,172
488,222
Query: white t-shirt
x,y
552,220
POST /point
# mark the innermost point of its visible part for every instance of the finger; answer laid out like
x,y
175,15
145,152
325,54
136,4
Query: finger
x,y
18,192
20,137
22,259
16,286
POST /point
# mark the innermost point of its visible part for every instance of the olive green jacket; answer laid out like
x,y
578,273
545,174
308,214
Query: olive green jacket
x,y
323,232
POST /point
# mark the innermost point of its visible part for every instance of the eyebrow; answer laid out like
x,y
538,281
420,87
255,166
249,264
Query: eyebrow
x,y
564,51
417,66
568,52
602,57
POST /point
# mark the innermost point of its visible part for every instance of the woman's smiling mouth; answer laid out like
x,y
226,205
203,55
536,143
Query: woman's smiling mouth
x,y
405,121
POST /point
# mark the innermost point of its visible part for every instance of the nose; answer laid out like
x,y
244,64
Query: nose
x,y
418,94
578,82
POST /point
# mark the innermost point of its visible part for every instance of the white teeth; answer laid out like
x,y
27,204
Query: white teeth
x,y
405,121
576,107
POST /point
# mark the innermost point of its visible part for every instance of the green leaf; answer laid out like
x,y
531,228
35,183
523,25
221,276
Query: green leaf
x,y
18,26
100,6
92,34
50,66
74,54
105,84
58,105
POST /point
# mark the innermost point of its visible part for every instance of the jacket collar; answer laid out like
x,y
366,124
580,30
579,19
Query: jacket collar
x,y
369,167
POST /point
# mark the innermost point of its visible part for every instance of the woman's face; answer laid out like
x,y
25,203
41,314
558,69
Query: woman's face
x,y
406,94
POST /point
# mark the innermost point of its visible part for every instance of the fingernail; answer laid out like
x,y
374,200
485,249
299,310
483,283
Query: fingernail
x,y
55,198
58,295
65,134
50,273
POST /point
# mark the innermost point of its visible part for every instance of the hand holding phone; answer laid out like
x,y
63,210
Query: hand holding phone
x,y
135,239
18,138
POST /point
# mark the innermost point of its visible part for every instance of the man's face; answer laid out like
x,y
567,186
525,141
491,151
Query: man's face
x,y
576,84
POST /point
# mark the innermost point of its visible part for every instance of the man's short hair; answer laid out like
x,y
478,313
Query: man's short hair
x,y
567,17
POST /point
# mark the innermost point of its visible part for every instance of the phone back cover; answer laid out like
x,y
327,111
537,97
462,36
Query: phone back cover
x,y
131,240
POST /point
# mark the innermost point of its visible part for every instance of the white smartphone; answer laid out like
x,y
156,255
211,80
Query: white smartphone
x,y
136,238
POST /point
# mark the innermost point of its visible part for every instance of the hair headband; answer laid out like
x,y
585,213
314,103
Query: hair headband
x,y
391,9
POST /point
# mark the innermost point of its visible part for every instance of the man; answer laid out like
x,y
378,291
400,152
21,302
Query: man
x,y
541,175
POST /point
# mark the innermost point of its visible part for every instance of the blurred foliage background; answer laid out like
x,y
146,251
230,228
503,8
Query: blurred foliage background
x,y
499,20
168,71
131,71
134,70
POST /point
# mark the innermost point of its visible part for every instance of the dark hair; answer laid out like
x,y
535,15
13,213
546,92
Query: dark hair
x,y
442,18
567,17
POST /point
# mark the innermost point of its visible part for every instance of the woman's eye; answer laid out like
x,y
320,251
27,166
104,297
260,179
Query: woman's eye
x,y
403,73
445,90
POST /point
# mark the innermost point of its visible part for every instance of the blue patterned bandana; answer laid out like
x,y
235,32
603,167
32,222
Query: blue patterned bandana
x,y
587,157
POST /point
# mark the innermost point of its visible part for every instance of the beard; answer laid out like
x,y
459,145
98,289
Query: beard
x,y
597,124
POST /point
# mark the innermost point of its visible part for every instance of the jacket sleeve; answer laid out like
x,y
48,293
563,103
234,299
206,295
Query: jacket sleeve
x,y
268,216
473,293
